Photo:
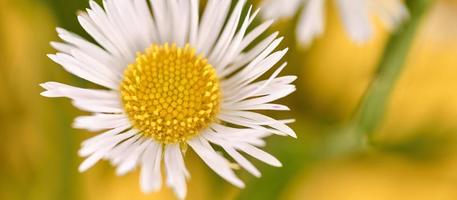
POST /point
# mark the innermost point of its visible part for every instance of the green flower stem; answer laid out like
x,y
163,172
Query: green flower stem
x,y
373,105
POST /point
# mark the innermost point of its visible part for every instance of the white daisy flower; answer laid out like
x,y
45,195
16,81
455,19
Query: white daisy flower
x,y
355,14
173,79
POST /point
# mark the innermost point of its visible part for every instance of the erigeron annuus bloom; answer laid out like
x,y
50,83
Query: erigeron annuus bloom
x,y
356,16
173,79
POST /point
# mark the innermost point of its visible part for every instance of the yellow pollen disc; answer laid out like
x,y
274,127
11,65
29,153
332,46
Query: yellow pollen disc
x,y
170,94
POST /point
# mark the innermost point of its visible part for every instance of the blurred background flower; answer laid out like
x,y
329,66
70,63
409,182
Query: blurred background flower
x,y
356,15
411,152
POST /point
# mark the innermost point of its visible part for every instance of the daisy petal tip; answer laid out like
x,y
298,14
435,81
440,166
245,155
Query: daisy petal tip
x,y
76,125
181,195
280,39
81,17
53,57
294,78
148,188
53,43
270,22
256,12
293,134
279,164
122,172
295,89
145,189
48,87
290,121
82,153
257,174
239,184
83,167
92,3
44,85
45,94
81,170
60,30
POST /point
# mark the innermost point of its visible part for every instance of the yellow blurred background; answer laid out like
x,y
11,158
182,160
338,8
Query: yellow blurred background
x,y
415,156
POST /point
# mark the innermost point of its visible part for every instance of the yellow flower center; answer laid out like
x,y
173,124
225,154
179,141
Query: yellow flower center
x,y
170,94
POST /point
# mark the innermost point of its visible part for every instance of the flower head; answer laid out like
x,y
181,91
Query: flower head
x,y
356,15
171,79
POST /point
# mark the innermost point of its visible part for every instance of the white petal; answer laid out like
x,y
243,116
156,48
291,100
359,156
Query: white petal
x,y
176,174
119,152
104,135
162,19
90,27
392,12
259,154
311,22
270,96
267,91
234,48
151,178
99,106
283,82
279,8
239,134
259,119
99,122
54,89
133,157
121,14
227,146
91,160
356,19
98,66
266,106
75,41
86,99
242,161
134,29
146,22
227,35
253,72
255,33
240,77
240,121
77,68
212,21
103,149
194,17
91,100
253,93
109,28
180,24
215,161
62,47
94,144
246,57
